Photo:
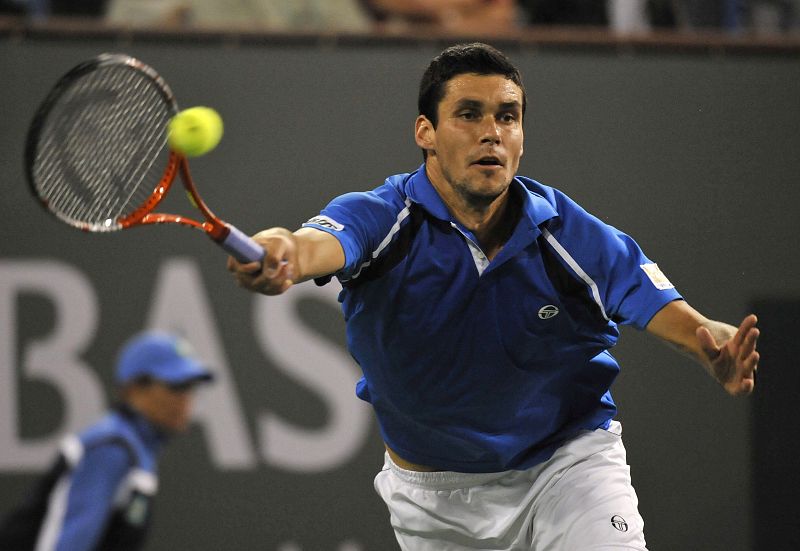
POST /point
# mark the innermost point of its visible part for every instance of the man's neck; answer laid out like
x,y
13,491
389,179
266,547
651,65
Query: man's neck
x,y
491,222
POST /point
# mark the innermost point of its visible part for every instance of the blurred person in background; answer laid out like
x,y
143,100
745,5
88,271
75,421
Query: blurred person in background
x,y
41,9
98,493
625,16
459,16
735,16
271,15
710,14
566,12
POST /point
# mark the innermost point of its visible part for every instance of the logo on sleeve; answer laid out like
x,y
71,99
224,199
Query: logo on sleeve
x,y
657,277
326,222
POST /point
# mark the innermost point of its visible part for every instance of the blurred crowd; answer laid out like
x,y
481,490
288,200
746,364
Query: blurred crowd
x,y
465,16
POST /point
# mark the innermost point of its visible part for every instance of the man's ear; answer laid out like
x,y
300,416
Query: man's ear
x,y
425,133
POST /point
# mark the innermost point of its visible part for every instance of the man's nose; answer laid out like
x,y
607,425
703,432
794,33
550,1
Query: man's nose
x,y
490,130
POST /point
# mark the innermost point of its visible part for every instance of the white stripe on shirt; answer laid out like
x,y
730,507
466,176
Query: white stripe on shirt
x,y
562,252
72,450
402,215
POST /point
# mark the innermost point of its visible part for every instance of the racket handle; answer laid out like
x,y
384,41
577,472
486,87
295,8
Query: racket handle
x,y
241,246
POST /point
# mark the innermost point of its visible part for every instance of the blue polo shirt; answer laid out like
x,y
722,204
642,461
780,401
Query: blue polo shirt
x,y
479,366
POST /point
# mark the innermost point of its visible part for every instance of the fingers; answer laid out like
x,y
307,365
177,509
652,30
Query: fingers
x,y
745,380
746,386
747,324
274,265
747,357
747,350
272,280
274,274
235,267
707,342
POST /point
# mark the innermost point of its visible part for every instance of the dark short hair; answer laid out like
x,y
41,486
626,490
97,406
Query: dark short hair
x,y
477,58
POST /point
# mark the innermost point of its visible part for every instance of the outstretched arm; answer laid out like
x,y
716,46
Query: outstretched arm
x,y
289,258
728,353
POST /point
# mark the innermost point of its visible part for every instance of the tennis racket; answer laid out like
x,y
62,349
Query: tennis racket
x,y
97,156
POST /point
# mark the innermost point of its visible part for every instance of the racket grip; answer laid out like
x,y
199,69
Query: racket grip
x,y
241,246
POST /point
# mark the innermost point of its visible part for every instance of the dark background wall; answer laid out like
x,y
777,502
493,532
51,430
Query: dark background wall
x,y
696,155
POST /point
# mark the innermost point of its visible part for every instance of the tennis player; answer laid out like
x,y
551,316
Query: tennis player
x,y
481,306
99,492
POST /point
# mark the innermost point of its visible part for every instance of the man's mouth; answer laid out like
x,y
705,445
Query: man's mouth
x,y
488,161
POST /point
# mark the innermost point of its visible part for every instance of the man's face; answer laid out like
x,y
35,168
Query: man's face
x,y
477,144
169,407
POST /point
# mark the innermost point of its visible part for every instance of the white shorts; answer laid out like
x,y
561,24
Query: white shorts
x,y
580,499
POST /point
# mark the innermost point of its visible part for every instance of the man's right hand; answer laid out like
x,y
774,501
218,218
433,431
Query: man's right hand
x,y
289,258
275,274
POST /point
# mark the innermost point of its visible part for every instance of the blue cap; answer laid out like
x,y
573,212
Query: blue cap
x,y
160,356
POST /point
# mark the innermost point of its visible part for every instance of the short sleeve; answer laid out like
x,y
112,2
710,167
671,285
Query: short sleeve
x,y
361,221
630,287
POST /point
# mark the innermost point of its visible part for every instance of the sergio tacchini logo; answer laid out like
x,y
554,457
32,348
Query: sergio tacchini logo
x,y
619,523
547,312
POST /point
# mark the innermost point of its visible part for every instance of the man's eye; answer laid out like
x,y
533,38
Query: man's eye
x,y
467,115
508,117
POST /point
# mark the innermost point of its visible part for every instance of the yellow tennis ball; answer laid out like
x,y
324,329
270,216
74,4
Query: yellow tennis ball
x,y
194,131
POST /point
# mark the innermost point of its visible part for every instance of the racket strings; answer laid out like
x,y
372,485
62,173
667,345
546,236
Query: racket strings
x,y
98,149
146,167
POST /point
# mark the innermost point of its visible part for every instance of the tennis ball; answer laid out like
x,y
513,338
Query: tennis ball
x,y
194,131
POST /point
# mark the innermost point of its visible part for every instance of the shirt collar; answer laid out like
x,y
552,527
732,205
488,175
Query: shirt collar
x,y
421,191
536,209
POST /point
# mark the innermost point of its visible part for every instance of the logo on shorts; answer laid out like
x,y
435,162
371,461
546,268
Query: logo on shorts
x,y
547,312
619,523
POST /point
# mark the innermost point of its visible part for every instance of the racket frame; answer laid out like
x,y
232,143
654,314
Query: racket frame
x,y
229,237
